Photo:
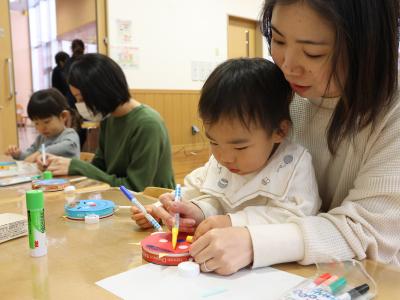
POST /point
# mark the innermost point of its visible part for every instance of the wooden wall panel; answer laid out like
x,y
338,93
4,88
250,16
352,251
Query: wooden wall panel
x,y
179,110
72,14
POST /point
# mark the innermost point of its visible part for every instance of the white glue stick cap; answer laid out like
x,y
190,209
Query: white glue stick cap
x,y
69,188
188,269
92,219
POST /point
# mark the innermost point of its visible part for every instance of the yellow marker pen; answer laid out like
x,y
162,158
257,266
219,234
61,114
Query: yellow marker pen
x,y
175,228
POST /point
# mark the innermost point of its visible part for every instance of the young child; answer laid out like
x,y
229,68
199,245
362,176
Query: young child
x,y
255,175
49,111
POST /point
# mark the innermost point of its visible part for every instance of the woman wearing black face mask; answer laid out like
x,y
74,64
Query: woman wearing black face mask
x,y
134,148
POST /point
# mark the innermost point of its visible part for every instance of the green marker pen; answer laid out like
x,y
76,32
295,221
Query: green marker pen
x,y
36,226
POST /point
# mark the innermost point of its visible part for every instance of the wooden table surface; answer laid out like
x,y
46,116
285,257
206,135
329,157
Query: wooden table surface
x,y
81,254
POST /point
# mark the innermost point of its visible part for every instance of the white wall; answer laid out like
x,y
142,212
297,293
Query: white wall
x,y
169,35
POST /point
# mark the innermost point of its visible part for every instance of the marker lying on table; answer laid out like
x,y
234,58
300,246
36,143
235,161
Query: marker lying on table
x,y
354,293
175,229
77,179
135,202
332,285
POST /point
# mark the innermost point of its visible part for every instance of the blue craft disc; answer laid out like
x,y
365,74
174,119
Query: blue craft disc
x,y
102,208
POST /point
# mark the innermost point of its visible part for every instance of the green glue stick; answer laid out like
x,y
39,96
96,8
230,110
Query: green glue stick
x,y
36,226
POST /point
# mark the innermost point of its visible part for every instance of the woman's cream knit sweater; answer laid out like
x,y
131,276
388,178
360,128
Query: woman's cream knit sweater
x,y
359,188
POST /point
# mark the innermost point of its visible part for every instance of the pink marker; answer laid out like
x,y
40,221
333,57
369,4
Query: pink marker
x,y
319,280
329,281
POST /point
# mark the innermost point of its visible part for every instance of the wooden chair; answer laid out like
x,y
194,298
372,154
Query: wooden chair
x,y
87,156
150,194
155,192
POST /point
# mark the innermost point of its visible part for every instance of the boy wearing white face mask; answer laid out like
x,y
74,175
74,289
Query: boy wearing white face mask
x,y
134,148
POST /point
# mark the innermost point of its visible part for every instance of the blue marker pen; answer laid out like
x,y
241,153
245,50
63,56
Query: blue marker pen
x,y
135,202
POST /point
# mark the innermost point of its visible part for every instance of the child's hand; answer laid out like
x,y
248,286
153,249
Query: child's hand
x,y
210,223
13,150
140,219
58,165
190,214
33,157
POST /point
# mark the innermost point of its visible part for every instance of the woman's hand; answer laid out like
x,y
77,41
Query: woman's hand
x,y
13,150
56,164
219,221
140,219
190,214
223,250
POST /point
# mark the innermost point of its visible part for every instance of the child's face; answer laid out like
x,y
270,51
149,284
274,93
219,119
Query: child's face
x,y
240,150
51,126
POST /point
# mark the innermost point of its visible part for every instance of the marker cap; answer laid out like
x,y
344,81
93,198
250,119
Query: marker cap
x,y
69,188
338,285
322,278
360,290
47,175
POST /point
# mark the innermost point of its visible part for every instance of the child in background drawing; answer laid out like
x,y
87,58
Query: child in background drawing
x,y
49,111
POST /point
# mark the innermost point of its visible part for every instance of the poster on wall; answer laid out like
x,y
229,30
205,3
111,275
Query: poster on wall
x,y
125,56
124,35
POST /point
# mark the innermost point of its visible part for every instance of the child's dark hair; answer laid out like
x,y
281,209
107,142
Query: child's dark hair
x,y
61,57
46,103
77,47
253,90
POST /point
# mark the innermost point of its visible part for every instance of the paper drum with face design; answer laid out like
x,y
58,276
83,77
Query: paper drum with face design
x,y
157,249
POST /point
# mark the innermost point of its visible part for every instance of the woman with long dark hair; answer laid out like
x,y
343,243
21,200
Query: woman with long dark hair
x,y
340,58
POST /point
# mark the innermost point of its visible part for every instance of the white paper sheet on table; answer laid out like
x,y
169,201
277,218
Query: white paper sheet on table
x,y
159,282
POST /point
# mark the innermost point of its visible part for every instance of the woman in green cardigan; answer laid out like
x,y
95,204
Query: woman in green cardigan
x,y
134,148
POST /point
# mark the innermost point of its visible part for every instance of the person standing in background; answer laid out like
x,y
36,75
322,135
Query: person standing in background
x,y
58,80
77,48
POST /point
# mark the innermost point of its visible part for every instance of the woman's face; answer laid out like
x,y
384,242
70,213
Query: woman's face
x,y
76,93
302,46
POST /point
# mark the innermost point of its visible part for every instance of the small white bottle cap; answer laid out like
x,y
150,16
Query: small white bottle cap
x,y
69,188
188,269
92,219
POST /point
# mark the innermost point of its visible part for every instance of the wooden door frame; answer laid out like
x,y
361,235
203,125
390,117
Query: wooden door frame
x,y
9,101
101,26
258,37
